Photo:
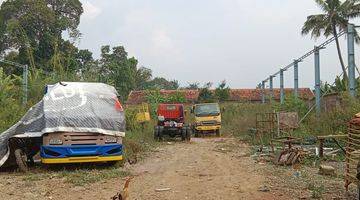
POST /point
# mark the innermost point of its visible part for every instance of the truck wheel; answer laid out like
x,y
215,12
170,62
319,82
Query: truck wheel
x,y
196,133
188,133
183,134
156,133
160,133
218,133
21,160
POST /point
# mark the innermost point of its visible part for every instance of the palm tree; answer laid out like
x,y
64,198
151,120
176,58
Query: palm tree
x,y
335,17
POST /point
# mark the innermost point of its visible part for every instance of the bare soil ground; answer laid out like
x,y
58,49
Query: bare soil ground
x,y
213,168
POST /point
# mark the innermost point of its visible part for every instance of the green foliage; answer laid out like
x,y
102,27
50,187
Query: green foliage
x,y
292,104
159,83
34,28
154,98
205,94
10,100
193,86
222,92
335,16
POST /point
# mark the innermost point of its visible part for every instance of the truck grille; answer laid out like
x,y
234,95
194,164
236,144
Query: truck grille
x,y
83,138
209,123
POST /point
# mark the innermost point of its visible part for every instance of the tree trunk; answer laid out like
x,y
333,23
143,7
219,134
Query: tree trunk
x,y
339,52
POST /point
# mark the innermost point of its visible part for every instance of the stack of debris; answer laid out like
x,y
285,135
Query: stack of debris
x,y
289,156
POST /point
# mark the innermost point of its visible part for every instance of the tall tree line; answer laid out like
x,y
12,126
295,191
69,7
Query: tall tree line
x,y
32,33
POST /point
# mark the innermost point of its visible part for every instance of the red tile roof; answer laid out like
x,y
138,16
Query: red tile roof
x,y
245,95
256,94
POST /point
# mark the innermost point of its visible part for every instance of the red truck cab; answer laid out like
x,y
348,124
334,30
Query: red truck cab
x,y
171,122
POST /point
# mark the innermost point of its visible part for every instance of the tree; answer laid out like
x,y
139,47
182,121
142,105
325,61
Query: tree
x,y
193,86
118,70
163,84
142,78
335,17
205,95
34,28
222,92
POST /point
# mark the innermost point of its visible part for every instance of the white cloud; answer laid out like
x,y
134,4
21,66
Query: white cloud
x,y
90,10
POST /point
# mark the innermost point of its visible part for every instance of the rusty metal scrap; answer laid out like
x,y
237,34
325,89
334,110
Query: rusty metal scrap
x,y
352,152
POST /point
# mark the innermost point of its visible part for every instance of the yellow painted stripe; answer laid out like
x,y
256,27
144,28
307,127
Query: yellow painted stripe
x,y
81,159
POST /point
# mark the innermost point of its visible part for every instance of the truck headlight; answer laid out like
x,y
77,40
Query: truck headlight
x,y
55,141
110,139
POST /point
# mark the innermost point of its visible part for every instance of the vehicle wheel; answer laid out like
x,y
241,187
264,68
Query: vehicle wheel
x,y
156,133
21,160
183,134
188,133
196,133
218,133
160,133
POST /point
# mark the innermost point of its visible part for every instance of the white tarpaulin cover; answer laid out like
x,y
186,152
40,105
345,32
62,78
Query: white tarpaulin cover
x,y
70,107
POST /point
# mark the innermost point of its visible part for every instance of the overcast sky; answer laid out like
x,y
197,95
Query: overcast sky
x,y
241,41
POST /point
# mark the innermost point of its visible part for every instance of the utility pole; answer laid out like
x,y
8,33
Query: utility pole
x,y
25,75
351,59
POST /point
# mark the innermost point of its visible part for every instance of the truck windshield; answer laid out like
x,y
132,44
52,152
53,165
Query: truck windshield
x,y
207,110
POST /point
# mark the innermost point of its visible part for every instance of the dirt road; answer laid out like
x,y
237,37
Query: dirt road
x,y
203,169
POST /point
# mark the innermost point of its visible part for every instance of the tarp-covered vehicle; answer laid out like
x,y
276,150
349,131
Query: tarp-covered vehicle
x,y
73,123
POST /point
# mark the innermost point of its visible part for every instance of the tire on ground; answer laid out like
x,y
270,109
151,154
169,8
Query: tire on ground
x,y
21,160
218,133
188,133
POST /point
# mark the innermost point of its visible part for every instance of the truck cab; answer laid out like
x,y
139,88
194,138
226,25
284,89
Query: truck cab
x,y
171,122
207,119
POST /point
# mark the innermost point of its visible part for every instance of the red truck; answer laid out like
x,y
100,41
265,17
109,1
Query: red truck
x,y
171,122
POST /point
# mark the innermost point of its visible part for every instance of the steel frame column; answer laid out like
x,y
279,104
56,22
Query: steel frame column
x,y
263,92
317,80
296,78
351,59
282,95
271,88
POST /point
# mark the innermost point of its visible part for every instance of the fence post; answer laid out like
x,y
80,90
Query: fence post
x,y
296,78
282,95
351,59
271,88
263,92
25,84
317,80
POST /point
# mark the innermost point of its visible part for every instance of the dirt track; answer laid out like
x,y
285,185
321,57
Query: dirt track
x,y
202,169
